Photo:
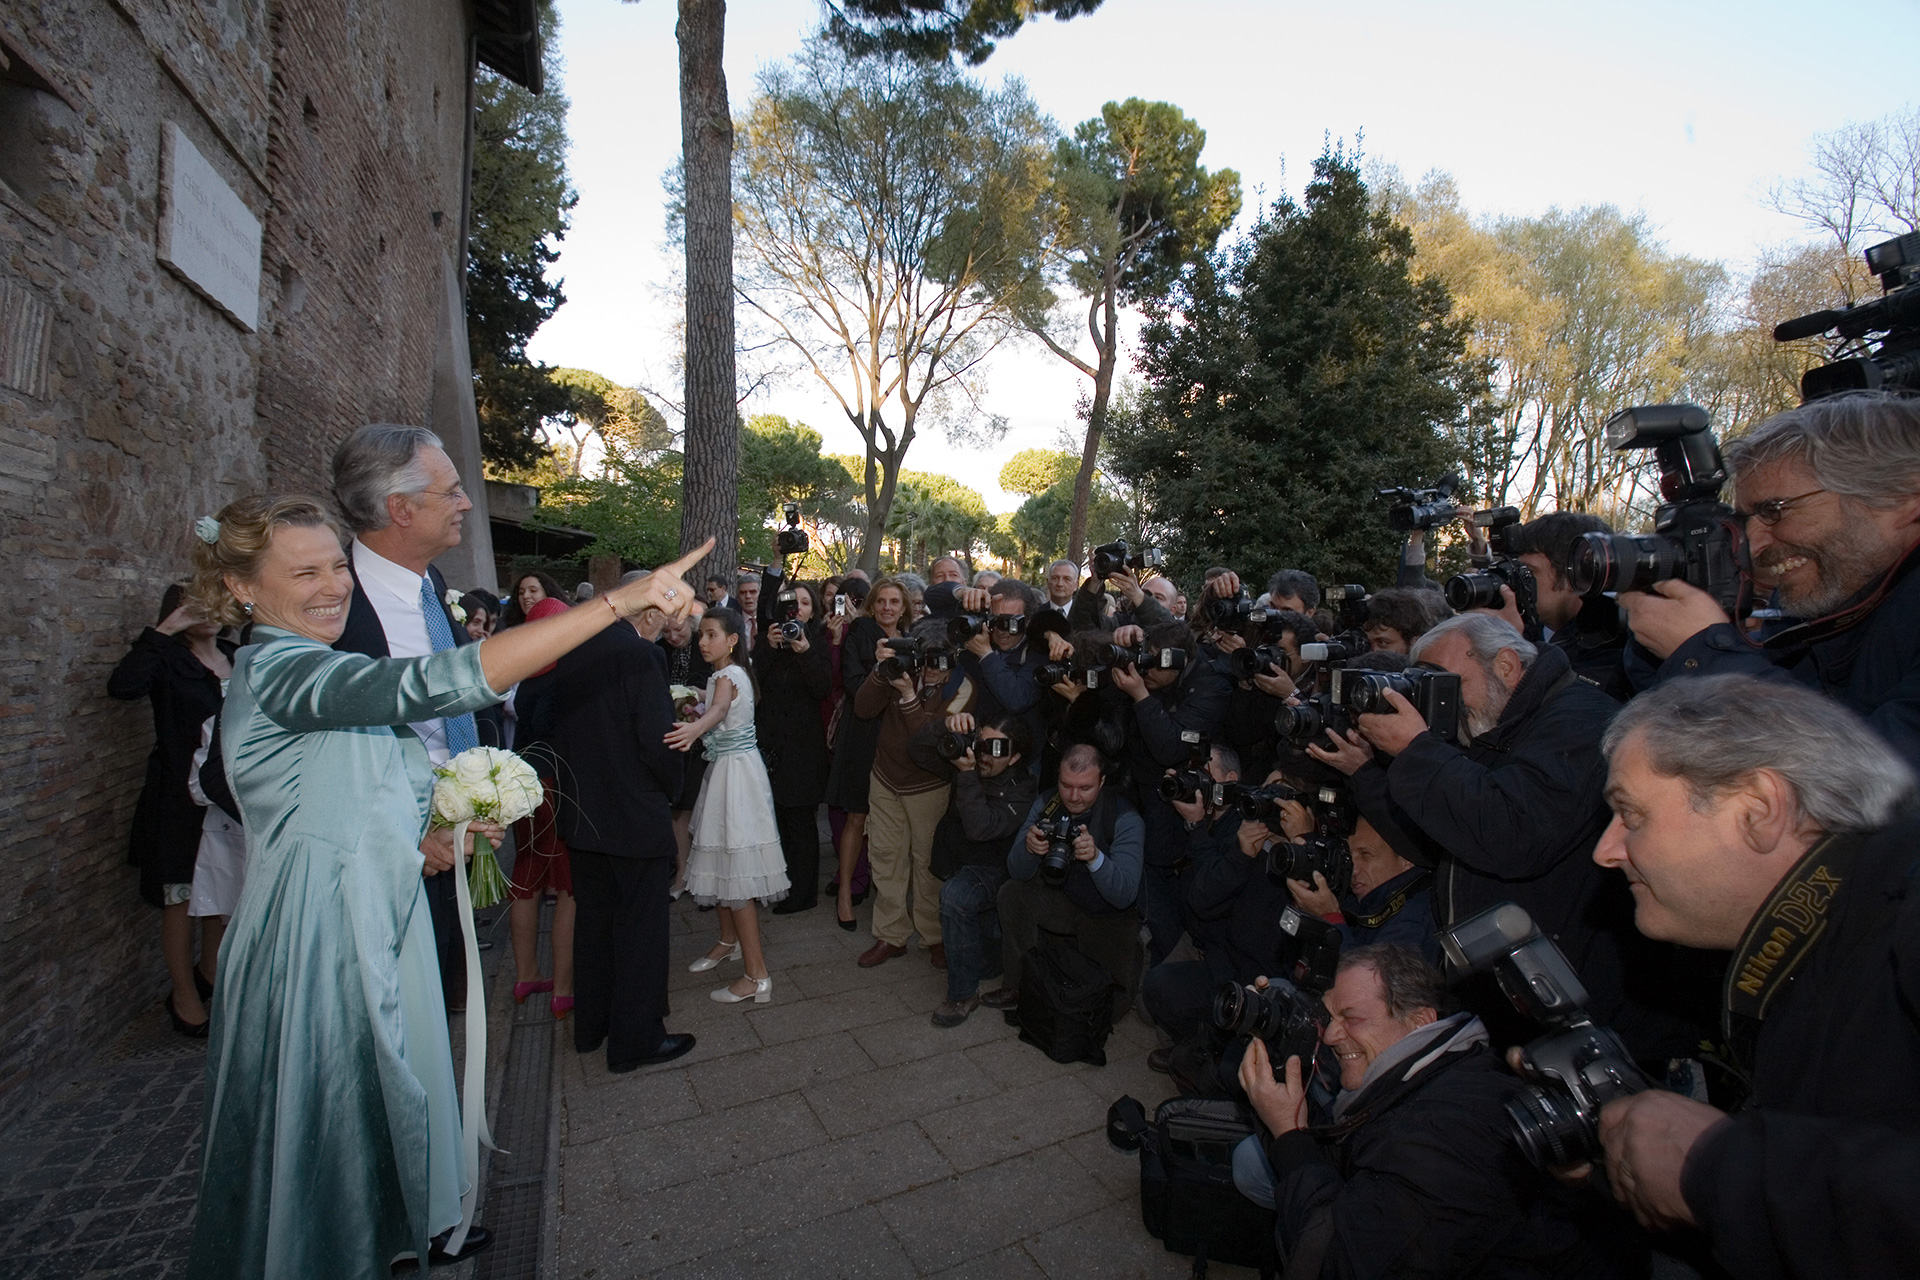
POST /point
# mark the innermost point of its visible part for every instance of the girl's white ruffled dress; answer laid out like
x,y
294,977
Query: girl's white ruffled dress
x,y
736,853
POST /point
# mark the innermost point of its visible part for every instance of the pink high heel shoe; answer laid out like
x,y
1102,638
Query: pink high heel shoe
x,y
521,990
562,1006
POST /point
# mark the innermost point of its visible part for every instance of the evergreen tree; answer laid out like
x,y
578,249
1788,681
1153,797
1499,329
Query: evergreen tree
x,y
520,206
1290,378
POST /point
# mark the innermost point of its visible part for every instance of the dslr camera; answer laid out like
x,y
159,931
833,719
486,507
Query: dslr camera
x,y
908,656
1422,508
1289,1014
951,746
1696,537
1193,781
791,540
1115,556
1434,694
1060,829
1574,1070
1347,601
786,607
1482,590
1140,658
1230,613
1893,362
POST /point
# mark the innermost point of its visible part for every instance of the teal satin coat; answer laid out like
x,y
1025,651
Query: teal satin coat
x,y
332,1122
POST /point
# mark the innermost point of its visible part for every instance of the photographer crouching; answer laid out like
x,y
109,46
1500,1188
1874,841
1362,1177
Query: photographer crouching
x,y
1075,871
992,793
1830,494
1416,1175
1772,821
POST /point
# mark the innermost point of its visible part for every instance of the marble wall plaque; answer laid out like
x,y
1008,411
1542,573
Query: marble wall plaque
x,y
207,233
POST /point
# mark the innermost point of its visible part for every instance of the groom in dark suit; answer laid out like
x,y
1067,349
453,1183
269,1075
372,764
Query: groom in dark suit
x,y
618,778
402,500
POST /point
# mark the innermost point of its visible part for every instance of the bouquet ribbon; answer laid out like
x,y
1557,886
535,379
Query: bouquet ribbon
x,y
473,1085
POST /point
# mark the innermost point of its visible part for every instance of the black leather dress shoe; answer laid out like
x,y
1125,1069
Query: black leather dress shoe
x,y
670,1048
477,1239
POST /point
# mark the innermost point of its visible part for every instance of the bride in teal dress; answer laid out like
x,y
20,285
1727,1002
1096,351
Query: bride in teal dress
x,y
332,1131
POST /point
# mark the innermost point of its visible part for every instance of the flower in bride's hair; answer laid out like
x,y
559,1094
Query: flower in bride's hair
x,y
207,529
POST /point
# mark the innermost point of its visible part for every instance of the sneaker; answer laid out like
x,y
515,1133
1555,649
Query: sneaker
x,y
1002,998
952,1013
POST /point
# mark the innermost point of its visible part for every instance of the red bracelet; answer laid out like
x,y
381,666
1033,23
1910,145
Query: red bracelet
x,y
1334,917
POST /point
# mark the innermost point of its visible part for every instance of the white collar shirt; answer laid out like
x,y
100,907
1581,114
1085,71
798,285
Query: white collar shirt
x,y
394,591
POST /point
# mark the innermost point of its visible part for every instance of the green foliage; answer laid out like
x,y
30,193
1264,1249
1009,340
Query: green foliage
x,y
781,462
520,206
935,514
935,30
1131,197
1293,376
1031,472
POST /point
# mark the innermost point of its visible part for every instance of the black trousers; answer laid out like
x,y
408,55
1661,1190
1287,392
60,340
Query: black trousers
x,y
800,844
620,954
443,904
1112,942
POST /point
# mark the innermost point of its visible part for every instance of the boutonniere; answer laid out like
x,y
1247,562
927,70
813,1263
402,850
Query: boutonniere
x,y
453,606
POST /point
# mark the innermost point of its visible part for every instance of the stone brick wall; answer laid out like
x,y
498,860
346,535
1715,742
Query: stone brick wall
x,y
340,124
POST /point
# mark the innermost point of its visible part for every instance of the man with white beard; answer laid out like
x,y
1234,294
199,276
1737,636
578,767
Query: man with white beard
x,y
1511,813
1830,493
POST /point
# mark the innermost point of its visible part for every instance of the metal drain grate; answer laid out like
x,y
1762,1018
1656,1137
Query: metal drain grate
x,y
517,1173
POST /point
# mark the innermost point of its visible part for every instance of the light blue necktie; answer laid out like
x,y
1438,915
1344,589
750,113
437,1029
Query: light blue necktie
x,y
460,731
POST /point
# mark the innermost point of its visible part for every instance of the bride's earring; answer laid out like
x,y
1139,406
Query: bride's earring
x,y
248,606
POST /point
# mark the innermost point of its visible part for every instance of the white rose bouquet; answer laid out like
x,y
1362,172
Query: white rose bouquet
x,y
484,782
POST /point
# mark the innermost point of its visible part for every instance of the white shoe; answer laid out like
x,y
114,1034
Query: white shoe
x,y
762,993
705,963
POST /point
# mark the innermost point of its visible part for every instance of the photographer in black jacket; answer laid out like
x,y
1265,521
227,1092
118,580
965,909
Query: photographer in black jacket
x,y
1772,821
1589,629
1832,495
1512,811
1417,1176
991,793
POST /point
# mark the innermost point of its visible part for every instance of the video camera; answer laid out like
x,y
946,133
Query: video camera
x,y
1895,362
1578,1067
1422,508
1289,1014
1696,538
1114,556
1482,590
792,540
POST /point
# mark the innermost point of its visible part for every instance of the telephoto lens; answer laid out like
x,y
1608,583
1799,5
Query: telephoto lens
x,y
792,630
1188,785
1059,855
1623,562
1368,694
1473,591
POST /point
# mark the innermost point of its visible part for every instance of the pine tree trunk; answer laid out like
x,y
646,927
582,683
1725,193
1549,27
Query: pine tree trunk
x,y
709,490
1096,423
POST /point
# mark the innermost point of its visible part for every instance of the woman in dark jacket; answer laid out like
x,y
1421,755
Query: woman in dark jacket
x,y
794,677
847,784
180,665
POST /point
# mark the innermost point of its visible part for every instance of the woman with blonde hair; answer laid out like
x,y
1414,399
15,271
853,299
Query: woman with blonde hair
x,y
332,1129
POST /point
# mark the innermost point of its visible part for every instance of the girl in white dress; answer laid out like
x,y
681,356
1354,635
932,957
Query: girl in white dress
x,y
736,855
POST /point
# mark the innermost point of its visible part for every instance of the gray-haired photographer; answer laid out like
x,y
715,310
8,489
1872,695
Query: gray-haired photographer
x,y
1771,821
1829,496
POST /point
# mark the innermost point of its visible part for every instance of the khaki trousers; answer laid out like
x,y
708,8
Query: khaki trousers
x,y
900,847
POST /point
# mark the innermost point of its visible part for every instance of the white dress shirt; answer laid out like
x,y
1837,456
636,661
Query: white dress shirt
x,y
394,590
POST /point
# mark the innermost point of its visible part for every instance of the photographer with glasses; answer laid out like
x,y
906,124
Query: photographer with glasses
x,y
1768,820
1831,496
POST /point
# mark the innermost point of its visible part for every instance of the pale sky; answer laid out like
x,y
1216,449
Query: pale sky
x,y
1686,112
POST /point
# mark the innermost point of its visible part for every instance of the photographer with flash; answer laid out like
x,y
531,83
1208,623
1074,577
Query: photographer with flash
x,y
1831,496
1165,702
1094,901
992,793
1512,811
1416,1175
1000,660
1772,821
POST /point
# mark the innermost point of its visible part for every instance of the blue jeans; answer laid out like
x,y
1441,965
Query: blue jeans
x,y
970,928
1252,1175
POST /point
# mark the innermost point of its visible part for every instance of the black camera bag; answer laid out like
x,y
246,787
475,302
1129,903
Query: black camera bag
x,y
1187,1196
1066,1002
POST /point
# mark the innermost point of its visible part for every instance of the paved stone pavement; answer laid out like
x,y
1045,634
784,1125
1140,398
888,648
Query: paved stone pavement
x,y
837,1132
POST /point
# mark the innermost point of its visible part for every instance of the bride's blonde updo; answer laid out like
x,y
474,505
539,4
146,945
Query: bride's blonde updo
x,y
239,542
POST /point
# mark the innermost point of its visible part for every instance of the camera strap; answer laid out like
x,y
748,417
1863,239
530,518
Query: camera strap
x,y
1394,904
1781,935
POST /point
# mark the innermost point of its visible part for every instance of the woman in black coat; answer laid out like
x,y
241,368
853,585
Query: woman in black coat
x,y
794,677
181,666
883,617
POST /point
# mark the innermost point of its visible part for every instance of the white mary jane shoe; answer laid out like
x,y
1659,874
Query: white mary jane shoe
x,y
705,963
762,993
